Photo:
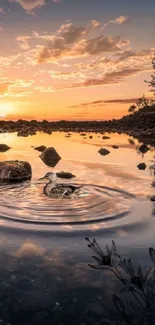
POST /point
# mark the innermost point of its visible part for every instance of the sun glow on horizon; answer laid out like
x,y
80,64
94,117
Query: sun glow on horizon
x,y
6,108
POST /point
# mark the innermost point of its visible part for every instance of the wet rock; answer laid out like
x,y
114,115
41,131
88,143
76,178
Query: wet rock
x,y
50,157
15,171
104,152
96,309
142,166
65,175
152,198
143,148
4,147
105,137
83,134
90,137
40,148
115,147
22,133
153,184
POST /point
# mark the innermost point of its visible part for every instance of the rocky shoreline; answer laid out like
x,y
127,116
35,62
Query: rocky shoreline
x,y
139,124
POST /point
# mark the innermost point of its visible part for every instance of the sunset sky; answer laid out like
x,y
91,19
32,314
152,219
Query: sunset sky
x,y
74,59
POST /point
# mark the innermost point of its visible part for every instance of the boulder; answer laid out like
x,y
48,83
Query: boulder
x,y
4,147
65,175
15,171
40,148
143,148
104,152
50,157
142,166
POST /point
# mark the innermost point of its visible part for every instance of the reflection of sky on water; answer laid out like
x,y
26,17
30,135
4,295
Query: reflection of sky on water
x,y
42,264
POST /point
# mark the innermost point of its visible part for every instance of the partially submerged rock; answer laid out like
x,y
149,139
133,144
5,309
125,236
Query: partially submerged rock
x,y
143,148
105,137
142,166
104,152
65,175
50,157
15,171
22,133
40,148
152,198
115,147
4,147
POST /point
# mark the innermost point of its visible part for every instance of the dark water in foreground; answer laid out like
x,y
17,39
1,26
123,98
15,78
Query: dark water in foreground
x,y
45,278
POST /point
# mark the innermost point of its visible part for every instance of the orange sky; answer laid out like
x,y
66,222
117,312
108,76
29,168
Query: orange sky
x,y
56,63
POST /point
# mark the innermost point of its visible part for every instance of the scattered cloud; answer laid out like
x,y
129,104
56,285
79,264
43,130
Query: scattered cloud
x,y
70,42
23,42
29,5
120,20
114,77
95,23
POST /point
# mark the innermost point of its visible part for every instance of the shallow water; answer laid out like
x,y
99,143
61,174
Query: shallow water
x,y
44,257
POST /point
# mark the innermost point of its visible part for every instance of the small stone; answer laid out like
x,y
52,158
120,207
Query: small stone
x,y
40,148
142,166
143,148
105,137
152,198
104,152
115,147
65,175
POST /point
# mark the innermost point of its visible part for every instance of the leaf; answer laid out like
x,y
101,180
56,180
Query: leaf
x,y
97,259
121,308
152,254
113,254
140,274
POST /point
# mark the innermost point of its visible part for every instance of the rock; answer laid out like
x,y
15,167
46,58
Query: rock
x,y
96,309
105,137
65,175
50,157
22,133
15,171
115,147
83,134
152,197
142,166
143,148
104,152
153,184
90,137
4,147
40,148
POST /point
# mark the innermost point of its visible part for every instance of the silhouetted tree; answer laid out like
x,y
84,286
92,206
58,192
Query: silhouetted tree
x,y
132,108
152,82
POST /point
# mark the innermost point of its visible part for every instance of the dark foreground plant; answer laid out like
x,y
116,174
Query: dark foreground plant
x,y
139,306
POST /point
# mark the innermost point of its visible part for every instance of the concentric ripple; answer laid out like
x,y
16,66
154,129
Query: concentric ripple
x,y
24,206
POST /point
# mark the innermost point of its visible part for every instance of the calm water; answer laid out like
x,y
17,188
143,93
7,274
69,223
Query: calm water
x,y
45,278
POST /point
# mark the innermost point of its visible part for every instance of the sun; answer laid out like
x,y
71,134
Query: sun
x,y
5,109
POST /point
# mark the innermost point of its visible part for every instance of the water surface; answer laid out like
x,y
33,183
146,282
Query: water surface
x,y
44,256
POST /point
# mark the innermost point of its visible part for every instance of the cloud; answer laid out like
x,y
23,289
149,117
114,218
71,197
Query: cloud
x,y
120,20
95,23
114,77
109,101
70,42
23,42
30,5
15,88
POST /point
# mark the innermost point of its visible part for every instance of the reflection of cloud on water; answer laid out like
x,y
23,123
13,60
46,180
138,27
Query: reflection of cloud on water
x,y
29,249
